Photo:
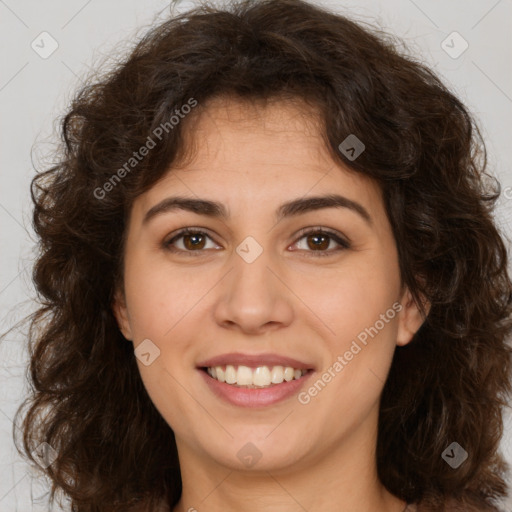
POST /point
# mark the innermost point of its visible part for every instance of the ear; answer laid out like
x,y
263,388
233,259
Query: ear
x,y
121,313
410,318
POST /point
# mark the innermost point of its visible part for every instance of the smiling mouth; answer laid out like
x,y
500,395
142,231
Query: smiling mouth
x,y
254,378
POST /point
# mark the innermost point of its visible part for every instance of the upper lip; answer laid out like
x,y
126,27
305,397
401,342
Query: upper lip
x,y
254,360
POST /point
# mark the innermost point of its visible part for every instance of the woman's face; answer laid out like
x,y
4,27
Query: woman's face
x,y
295,266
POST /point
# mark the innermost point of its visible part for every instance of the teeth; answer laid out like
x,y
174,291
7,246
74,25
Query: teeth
x,y
244,376
262,376
221,374
230,374
277,374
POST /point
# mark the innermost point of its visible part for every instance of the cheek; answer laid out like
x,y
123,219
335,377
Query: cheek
x,y
160,297
351,299
163,308
359,340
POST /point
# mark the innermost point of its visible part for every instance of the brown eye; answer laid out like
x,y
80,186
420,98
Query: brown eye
x,y
318,242
195,241
189,241
322,242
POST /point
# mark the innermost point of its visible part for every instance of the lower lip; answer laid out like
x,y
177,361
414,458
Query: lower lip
x,y
253,397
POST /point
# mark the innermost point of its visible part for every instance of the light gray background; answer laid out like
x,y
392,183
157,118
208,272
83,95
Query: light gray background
x,y
35,91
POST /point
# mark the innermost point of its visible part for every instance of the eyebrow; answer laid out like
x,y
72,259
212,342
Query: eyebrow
x,y
293,208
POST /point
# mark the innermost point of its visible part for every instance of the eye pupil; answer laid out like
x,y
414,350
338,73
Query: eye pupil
x,y
193,241
323,239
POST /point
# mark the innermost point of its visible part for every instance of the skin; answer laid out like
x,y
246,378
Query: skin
x,y
318,456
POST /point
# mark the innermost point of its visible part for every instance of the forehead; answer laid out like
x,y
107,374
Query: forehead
x,y
258,152
275,132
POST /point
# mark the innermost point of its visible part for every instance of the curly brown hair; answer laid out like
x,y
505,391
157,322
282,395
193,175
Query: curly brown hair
x,y
451,383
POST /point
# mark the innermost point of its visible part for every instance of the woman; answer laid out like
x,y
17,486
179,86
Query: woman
x,y
269,279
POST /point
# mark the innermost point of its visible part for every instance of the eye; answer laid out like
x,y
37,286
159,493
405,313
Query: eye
x,y
189,240
318,240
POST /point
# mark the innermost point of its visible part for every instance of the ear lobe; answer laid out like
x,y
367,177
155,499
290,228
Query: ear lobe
x,y
120,311
410,318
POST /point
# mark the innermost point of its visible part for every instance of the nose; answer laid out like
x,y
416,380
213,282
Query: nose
x,y
253,298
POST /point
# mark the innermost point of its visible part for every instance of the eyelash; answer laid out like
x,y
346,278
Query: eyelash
x,y
342,242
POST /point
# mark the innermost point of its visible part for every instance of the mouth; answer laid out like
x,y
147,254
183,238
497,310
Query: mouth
x,y
254,380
